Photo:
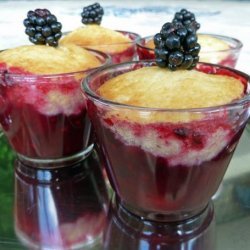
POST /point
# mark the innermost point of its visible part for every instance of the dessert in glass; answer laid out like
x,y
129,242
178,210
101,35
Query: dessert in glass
x,y
213,48
42,113
60,209
167,136
216,49
120,45
126,232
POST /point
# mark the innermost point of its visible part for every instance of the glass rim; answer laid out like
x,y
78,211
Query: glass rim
x,y
134,41
103,55
238,44
87,90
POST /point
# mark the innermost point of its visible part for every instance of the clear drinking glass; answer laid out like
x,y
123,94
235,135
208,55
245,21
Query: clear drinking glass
x,y
44,116
165,164
226,57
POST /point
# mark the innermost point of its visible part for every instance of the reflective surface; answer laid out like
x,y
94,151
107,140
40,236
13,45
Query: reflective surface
x,y
127,232
71,209
60,209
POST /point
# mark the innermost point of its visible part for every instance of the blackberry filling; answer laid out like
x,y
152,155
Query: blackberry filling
x,y
92,14
42,27
176,47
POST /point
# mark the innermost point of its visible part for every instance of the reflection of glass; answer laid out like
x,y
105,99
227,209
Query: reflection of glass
x,y
127,232
60,209
44,116
150,177
210,54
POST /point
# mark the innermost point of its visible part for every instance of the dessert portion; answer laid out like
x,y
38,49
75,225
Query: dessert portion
x,y
186,139
169,137
120,45
95,36
179,90
50,95
207,43
43,112
41,59
214,48
168,128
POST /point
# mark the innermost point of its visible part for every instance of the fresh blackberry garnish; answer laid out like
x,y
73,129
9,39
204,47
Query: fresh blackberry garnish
x,y
42,27
92,14
187,19
176,47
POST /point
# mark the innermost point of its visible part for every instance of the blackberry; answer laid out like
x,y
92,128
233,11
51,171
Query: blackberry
x,y
187,19
92,14
176,47
42,27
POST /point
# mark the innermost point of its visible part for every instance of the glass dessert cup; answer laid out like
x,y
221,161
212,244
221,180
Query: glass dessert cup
x,y
165,164
124,231
60,209
44,116
225,57
119,52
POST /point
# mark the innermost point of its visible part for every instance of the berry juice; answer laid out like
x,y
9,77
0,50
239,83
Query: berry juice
x,y
60,209
166,165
